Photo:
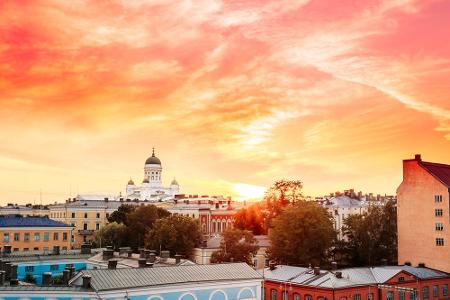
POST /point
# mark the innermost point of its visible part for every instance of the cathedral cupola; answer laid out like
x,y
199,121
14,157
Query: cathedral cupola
x,y
130,182
153,160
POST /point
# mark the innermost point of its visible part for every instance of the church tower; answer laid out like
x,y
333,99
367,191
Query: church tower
x,y
152,171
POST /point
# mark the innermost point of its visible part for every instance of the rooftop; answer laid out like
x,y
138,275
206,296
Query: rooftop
x,y
106,279
440,171
350,277
19,221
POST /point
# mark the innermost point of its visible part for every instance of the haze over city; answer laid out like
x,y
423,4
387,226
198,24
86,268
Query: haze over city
x,y
232,95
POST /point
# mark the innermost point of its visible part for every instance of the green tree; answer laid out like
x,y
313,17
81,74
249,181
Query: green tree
x,y
251,218
280,195
121,214
140,221
112,234
371,237
178,234
302,234
236,245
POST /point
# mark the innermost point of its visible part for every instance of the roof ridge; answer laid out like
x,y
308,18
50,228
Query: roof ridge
x,y
435,163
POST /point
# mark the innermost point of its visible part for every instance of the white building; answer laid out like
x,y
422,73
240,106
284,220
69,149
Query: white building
x,y
151,187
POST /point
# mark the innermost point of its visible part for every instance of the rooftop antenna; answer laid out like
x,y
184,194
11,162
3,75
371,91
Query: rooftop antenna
x,y
153,151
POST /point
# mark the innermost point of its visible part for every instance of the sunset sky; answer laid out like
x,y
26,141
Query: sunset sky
x,y
232,94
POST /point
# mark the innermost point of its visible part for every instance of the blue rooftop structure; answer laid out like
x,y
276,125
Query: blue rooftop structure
x,y
19,221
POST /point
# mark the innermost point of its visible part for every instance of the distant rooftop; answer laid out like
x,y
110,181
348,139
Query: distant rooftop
x,y
19,221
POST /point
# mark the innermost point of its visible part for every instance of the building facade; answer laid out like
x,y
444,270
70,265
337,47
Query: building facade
x,y
423,214
151,188
33,234
378,283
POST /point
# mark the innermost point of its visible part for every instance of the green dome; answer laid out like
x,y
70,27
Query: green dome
x,y
153,160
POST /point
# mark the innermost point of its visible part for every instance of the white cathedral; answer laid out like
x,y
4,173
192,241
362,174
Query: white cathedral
x,y
151,188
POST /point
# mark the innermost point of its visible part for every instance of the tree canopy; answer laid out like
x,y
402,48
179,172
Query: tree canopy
x,y
302,234
371,237
251,218
236,245
280,195
178,234
121,214
112,234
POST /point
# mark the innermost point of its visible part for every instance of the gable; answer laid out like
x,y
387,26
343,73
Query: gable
x,y
401,276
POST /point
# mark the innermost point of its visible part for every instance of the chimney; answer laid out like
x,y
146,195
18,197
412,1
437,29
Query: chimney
x,y
152,257
46,278
316,271
142,262
13,282
141,253
334,265
177,258
165,254
147,254
418,157
421,265
86,281
272,265
338,274
112,264
72,271
149,265
86,248
2,278
7,269
66,276
108,254
407,263
56,250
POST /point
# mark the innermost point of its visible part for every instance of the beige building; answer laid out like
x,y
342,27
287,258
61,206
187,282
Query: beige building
x,y
423,213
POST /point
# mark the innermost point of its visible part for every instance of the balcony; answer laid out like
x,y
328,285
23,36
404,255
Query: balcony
x,y
85,232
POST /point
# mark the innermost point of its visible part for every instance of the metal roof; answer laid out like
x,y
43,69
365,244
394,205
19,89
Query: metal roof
x,y
105,279
350,277
441,171
19,221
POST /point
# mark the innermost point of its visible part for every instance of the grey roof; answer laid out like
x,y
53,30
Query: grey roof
x,y
350,277
214,242
105,279
345,201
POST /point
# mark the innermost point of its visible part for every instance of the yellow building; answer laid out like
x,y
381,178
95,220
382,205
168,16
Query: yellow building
x,y
33,234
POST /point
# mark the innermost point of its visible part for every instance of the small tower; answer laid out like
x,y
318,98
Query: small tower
x,y
130,187
174,187
153,171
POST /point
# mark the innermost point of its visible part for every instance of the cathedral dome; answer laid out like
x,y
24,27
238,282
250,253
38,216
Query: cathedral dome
x,y
130,182
153,160
174,182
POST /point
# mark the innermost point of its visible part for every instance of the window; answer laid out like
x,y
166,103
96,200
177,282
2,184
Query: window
x,y
46,236
438,198
55,236
37,236
390,295
29,269
54,267
438,212
439,226
401,295
26,237
445,290
16,236
357,297
97,226
435,291
425,292
273,295
36,249
73,215
6,237
64,248
285,295
26,249
85,215
401,279
343,298
308,297
296,296
16,249
412,296
370,296
85,226
98,215
64,236
45,249
439,242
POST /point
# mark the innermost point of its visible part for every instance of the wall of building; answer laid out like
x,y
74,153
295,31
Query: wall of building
x,y
417,221
41,245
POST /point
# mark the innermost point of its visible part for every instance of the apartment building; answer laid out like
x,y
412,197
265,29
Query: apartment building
x,y
423,213
20,234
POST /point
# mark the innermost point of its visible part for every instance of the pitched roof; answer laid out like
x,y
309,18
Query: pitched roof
x,y
350,277
105,279
440,171
19,221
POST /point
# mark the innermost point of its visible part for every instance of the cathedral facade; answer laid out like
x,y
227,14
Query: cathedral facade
x,y
151,188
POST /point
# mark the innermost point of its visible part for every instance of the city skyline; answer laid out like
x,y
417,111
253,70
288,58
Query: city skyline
x,y
233,96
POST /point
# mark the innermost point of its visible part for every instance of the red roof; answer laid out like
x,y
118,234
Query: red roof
x,y
440,171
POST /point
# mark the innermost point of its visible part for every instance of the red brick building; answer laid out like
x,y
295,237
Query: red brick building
x,y
378,283
423,214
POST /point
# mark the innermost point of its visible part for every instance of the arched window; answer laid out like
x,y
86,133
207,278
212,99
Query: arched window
x,y
308,297
285,295
343,298
296,296
273,294
425,292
